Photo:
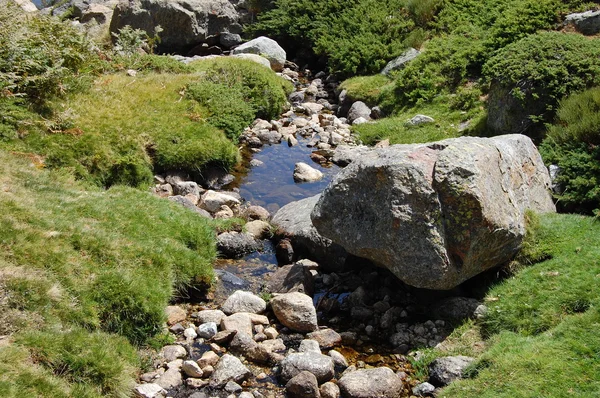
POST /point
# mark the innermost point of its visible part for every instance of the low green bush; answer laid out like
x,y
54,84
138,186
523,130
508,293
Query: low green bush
x,y
356,37
236,91
372,90
546,66
577,119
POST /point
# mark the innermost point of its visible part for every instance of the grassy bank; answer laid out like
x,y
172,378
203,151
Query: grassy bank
x,y
539,336
86,275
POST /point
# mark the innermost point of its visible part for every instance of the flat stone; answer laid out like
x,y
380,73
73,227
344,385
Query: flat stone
x,y
371,383
327,338
175,314
241,301
239,322
173,352
318,364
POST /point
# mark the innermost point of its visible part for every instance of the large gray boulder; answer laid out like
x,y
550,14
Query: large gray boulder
x,y
436,214
587,22
400,62
371,383
293,220
264,47
185,23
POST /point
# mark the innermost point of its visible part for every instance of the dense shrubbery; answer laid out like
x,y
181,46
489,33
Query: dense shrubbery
x,y
237,91
356,37
41,57
572,145
546,66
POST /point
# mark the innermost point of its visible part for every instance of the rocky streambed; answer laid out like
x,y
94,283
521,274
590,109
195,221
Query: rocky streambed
x,y
277,323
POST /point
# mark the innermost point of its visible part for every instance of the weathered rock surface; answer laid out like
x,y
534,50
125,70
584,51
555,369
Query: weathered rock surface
x,y
303,385
330,390
327,338
241,301
443,371
228,369
510,115
234,244
401,61
306,173
185,23
296,311
264,47
149,390
318,364
212,201
357,110
294,219
436,214
587,22
371,383
292,278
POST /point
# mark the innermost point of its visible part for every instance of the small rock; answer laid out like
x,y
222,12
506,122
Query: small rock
x,y
318,364
330,390
190,333
209,358
212,201
241,301
296,311
173,352
207,330
303,385
423,389
338,359
292,278
170,379
175,314
284,252
149,390
306,173
443,371
258,228
224,336
191,369
291,140
419,120
234,244
193,382
206,316
239,322
327,338
177,328
228,369
359,110
256,213
233,387
308,345
371,383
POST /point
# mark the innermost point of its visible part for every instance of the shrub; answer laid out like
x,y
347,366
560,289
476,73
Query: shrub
x,y
578,119
236,91
550,65
41,57
356,37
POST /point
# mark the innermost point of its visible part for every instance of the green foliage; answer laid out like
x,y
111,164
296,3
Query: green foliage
x,y
572,144
370,89
129,41
547,66
579,177
577,119
357,37
97,363
236,91
41,57
449,123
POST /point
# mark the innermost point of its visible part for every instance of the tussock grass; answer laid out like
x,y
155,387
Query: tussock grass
x,y
85,275
541,326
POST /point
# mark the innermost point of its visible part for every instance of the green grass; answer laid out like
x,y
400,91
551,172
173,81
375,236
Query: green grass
x,y
369,89
447,123
85,275
541,327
